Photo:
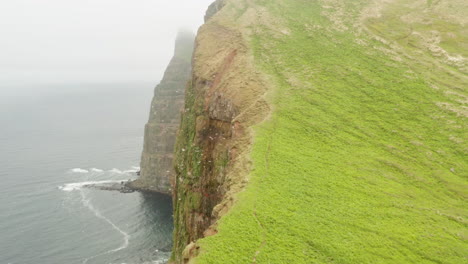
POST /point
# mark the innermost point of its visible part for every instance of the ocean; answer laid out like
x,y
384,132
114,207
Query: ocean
x,y
54,139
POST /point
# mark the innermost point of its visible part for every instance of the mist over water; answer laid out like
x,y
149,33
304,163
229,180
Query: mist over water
x,y
67,41
76,82
51,145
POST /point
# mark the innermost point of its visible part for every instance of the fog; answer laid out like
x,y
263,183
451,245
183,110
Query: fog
x,y
90,41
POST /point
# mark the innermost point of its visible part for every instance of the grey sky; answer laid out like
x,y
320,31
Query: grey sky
x,y
59,41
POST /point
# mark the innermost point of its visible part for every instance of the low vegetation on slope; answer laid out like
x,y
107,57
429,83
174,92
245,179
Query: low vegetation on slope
x,y
363,159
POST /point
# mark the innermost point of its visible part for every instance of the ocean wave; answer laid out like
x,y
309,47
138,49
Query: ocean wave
x,y
79,185
116,171
78,170
133,169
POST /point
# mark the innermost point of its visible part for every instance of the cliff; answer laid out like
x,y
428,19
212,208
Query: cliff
x,y
223,100
325,131
161,129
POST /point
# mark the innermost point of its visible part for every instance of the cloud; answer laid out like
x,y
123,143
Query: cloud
x,y
91,40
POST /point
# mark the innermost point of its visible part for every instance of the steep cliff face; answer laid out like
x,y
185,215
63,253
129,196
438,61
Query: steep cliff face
x,y
161,129
223,100
326,131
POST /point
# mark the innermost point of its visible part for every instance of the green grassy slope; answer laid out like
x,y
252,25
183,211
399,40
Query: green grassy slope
x,y
364,157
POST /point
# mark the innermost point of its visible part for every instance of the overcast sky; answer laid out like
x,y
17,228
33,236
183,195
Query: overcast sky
x,y
60,41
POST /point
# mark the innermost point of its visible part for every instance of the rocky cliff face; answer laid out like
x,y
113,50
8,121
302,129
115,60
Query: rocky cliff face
x,y
160,131
223,100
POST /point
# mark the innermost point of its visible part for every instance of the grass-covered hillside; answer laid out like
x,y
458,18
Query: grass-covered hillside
x,y
364,156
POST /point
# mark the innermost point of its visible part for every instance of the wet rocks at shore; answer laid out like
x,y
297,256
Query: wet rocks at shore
x,y
122,187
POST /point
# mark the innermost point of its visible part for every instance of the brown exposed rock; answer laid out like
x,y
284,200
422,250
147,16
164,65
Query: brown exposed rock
x,y
224,99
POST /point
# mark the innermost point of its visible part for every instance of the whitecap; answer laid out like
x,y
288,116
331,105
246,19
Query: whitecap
x,y
134,169
96,170
116,171
79,185
78,170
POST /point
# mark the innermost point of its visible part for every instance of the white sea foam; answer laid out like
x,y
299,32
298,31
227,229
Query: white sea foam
x,y
133,170
116,171
120,172
97,213
161,261
79,185
79,170
113,171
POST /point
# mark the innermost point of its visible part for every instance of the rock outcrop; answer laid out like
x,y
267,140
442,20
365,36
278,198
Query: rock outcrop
x,y
160,131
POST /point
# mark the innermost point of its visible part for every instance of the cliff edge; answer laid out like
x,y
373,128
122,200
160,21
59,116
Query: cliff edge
x,y
325,131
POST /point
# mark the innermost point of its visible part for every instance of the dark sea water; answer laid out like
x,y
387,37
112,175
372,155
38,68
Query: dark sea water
x,y
52,141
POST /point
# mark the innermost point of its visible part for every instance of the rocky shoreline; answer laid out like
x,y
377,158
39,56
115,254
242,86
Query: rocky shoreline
x,y
122,187
125,186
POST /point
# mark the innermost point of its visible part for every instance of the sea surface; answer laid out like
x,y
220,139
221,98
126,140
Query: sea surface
x,y
53,140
